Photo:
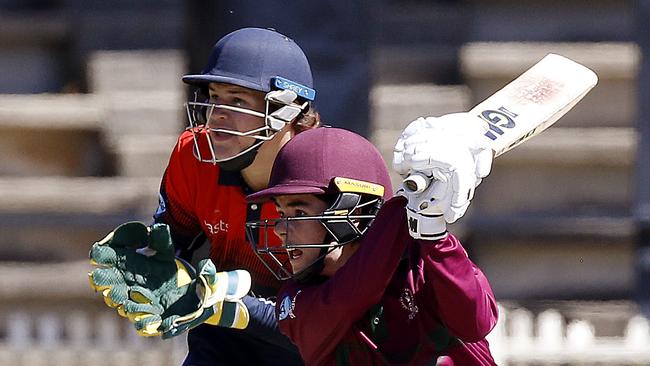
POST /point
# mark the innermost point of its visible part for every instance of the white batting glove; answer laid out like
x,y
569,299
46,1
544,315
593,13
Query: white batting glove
x,y
448,158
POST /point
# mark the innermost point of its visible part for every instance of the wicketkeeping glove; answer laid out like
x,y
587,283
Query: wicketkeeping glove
x,y
447,155
163,295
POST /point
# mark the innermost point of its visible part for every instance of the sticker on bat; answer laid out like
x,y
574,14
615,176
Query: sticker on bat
x,y
498,120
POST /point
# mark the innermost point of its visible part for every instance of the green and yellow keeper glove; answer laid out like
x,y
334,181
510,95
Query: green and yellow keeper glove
x,y
139,275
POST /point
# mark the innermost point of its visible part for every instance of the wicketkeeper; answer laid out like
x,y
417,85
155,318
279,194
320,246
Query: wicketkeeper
x,y
253,96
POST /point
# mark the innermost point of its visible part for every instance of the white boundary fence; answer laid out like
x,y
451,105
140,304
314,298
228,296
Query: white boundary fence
x,y
522,337
79,338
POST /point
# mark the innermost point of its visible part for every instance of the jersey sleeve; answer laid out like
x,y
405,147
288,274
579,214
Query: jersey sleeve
x,y
464,298
177,194
317,317
263,323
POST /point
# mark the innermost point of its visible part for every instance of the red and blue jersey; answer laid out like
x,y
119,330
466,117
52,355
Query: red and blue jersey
x,y
397,301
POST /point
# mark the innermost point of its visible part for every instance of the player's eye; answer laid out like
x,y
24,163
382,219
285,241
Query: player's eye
x,y
238,102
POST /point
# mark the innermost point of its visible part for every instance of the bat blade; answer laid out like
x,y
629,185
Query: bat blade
x,y
533,101
526,106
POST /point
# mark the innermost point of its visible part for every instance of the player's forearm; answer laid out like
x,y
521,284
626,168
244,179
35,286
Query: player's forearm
x,y
463,295
366,275
263,323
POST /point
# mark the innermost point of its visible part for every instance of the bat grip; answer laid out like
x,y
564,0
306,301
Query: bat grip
x,y
416,183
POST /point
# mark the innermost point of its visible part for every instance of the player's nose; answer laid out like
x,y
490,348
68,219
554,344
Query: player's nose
x,y
217,116
280,230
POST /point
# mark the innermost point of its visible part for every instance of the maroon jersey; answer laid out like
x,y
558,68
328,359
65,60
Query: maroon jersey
x,y
397,301
199,198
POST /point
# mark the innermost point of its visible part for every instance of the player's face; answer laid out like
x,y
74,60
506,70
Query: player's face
x,y
301,232
227,145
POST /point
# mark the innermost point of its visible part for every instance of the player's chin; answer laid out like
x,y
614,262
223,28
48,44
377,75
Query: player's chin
x,y
229,145
225,150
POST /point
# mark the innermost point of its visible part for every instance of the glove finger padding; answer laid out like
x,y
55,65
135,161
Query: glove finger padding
x,y
102,255
110,284
399,165
484,163
116,296
142,316
230,314
414,127
220,296
216,287
147,325
463,184
142,304
102,279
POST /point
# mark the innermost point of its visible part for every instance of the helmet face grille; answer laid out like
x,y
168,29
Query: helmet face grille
x,y
205,151
342,225
279,110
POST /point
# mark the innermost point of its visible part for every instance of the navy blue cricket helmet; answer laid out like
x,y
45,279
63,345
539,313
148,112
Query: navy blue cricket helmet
x,y
252,58
257,59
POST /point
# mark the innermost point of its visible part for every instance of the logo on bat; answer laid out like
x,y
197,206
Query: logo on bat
x,y
498,120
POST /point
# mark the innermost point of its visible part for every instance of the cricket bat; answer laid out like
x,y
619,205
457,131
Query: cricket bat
x,y
527,105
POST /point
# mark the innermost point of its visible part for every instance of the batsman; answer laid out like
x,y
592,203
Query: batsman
x,y
375,279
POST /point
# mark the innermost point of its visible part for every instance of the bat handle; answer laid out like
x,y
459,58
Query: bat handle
x,y
416,183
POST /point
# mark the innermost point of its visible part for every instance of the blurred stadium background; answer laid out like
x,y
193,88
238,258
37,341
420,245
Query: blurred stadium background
x,y
91,104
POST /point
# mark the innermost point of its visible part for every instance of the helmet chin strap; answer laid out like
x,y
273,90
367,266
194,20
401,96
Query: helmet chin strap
x,y
240,162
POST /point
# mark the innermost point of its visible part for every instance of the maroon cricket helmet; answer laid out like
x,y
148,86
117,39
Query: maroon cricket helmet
x,y
327,161
335,163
